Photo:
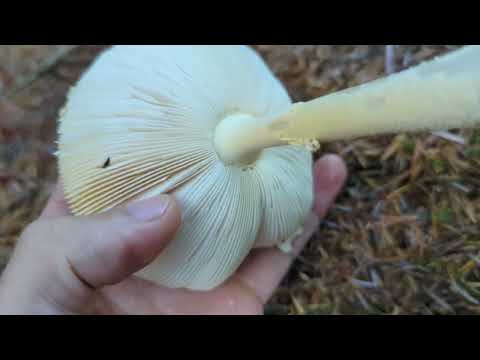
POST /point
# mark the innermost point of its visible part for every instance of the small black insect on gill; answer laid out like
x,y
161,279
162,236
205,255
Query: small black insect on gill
x,y
106,164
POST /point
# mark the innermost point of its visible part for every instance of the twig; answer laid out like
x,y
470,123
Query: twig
x,y
390,66
450,137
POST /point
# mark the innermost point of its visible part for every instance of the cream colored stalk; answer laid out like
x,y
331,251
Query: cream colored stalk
x,y
440,94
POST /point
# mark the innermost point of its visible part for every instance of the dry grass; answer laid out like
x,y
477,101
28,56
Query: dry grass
x,y
402,239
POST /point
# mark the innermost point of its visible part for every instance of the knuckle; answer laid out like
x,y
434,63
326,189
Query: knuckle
x,y
129,238
125,250
128,252
127,234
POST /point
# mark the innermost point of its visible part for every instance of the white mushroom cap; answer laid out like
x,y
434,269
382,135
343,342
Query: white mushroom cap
x,y
212,125
143,121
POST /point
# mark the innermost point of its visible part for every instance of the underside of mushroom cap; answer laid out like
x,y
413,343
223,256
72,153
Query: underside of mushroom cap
x,y
141,122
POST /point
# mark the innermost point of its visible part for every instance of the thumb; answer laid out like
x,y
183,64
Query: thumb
x,y
58,261
107,248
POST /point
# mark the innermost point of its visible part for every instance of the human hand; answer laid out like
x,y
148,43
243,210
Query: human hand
x,y
85,265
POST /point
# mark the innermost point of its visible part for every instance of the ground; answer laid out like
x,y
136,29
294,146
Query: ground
x,y
403,237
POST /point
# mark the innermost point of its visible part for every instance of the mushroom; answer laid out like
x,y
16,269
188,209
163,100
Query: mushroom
x,y
213,126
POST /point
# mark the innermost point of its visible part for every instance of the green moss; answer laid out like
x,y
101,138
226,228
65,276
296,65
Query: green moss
x,y
475,140
408,146
473,152
444,215
438,165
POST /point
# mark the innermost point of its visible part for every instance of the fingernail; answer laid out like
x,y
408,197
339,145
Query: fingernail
x,y
150,209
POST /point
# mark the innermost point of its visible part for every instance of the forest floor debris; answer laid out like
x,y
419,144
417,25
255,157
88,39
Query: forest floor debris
x,y
404,236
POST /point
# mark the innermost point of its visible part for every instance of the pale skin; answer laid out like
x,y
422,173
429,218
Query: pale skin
x,y
85,265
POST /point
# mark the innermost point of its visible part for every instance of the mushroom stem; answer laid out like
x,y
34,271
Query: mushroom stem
x,y
239,139
438,95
